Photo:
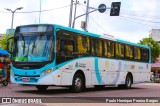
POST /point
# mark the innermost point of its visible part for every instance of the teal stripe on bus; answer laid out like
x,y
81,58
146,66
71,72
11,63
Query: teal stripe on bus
x,y
98,76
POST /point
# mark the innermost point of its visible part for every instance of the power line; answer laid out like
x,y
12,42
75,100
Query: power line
x,y
142,16
127,19
40,11
140,19
139,11
130,19
98,25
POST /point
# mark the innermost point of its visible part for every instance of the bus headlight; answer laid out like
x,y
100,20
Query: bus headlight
x,y
46,72
12,72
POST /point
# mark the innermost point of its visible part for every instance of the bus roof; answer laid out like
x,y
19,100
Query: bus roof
x,y
134,44
94,35
101,36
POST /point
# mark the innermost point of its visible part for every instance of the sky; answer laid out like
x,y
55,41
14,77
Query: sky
x,y
137,17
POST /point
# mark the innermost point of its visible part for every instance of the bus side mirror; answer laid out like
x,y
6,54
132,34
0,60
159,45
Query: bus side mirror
x,y
10,45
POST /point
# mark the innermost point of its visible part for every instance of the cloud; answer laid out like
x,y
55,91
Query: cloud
x,y
19,18
129,28
120,27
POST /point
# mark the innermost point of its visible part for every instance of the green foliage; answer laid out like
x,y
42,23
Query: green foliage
x,y
3,41
155,48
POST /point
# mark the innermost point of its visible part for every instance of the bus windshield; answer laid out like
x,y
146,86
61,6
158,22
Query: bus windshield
x,y
34,47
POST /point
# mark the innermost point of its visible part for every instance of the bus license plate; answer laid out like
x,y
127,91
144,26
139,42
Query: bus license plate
x,y
25,79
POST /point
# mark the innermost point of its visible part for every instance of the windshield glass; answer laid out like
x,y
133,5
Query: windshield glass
x,y
34,47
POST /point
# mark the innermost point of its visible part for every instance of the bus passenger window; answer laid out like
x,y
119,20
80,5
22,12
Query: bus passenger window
x,y
99,48
145,55
110,49
137,53
83,45
67,47
93,46
105,49
119,50
129,52
58,46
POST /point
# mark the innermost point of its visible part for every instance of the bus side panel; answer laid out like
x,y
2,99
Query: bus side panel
x,y
100,71
139,71
69,68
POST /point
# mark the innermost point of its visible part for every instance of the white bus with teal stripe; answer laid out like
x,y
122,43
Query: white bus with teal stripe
x,y
47,54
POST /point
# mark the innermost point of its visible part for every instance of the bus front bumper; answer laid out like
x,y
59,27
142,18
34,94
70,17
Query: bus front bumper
x,y
45,80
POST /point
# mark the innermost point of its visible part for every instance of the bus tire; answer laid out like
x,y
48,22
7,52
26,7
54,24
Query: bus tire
x,y
78,83
128,82
5,83
41,88
99,86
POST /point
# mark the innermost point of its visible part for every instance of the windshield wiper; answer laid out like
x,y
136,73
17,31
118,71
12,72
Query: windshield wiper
x,y
24,46
35,44
21,35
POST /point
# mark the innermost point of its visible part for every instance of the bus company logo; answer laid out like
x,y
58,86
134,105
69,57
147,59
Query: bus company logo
x,y
76,65
82,65
6,100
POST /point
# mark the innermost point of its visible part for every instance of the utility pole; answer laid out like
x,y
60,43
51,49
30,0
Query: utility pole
x,y
115,9
75,11
40,12
70,15
81,16
13,17
86,19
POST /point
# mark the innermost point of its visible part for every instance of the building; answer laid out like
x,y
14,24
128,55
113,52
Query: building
x,y
156,70
155,34
155,67
9,31
1,36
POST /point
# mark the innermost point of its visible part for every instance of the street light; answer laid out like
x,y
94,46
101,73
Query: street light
x,y
19,8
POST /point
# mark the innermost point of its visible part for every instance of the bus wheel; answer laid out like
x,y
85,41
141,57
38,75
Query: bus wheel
x,y
5,83
78,83
41,88
128,82
99,86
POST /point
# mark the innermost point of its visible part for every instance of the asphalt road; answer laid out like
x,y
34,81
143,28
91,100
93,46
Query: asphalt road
x,y
137,90
90,95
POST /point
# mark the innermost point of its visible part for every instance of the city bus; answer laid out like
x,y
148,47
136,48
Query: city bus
x,y
53,55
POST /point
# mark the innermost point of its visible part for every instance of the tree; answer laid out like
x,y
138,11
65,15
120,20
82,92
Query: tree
x,y
3,41
155,48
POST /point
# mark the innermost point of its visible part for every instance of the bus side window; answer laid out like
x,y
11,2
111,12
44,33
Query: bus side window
x,y
137,53
58,46
145,55
67,47
83,45
110,49
93,46
99,47
129,52
86,44
105,49
119,50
